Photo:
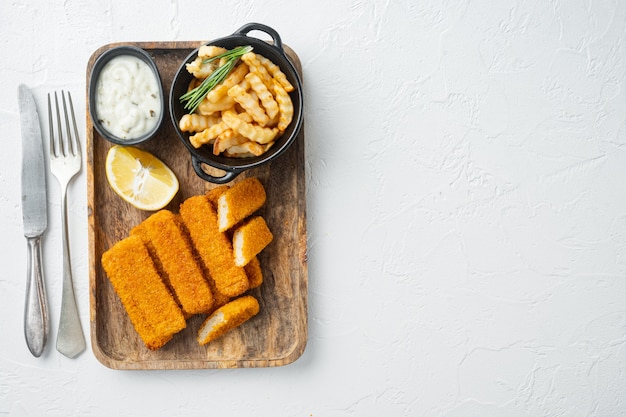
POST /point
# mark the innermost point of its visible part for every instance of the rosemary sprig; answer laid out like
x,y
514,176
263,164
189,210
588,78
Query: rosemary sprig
x,y
193,98
233,53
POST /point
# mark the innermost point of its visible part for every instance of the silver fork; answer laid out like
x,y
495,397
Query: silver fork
x,y
65,163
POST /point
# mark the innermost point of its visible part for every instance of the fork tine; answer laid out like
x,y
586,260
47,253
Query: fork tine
x,y
67,144
51,128
60,149
74,139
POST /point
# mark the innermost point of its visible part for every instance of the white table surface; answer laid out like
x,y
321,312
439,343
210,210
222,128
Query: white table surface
x,y
466,210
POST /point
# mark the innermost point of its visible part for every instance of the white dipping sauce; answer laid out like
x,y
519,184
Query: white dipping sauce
x,y
127,97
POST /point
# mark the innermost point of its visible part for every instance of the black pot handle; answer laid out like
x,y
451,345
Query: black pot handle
x,y
226,178
263,28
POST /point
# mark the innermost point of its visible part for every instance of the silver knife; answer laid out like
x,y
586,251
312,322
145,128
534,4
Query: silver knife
x,y
35,219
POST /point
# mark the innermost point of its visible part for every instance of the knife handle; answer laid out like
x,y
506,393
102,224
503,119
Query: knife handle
x,y
36,309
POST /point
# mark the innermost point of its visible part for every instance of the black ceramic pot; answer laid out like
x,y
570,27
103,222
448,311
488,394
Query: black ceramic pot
x,y
204,155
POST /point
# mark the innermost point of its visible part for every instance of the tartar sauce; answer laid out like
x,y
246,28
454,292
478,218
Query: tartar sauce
x,y
127,97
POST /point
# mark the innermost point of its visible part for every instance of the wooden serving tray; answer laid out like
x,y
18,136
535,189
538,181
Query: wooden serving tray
x,y
277,335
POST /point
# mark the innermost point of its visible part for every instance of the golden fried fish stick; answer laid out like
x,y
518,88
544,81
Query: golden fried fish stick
x,y
163,230
227,317
214,247
219,299
250,239
255,272
214,194
138,231
151,308
239,201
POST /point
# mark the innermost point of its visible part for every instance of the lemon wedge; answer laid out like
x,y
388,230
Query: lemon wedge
x,y
140,178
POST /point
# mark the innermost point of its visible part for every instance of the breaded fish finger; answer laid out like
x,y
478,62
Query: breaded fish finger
x,y
249,239
151,308
255,272
240,201
213,246
214,194
227,317
163,230
219,299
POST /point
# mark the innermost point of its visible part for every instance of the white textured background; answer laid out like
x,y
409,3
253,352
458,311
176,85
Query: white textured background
x,y
466,163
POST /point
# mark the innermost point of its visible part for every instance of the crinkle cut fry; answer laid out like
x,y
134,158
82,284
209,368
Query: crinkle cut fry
x,y
253,132
250,103
245,149
214,247
255,66
208,108
152,310
263,93
207,135
163,230
197,122
284,104
208,51
276,72
226,140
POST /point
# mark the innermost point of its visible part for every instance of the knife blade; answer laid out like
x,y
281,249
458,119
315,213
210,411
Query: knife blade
x,y
35,221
